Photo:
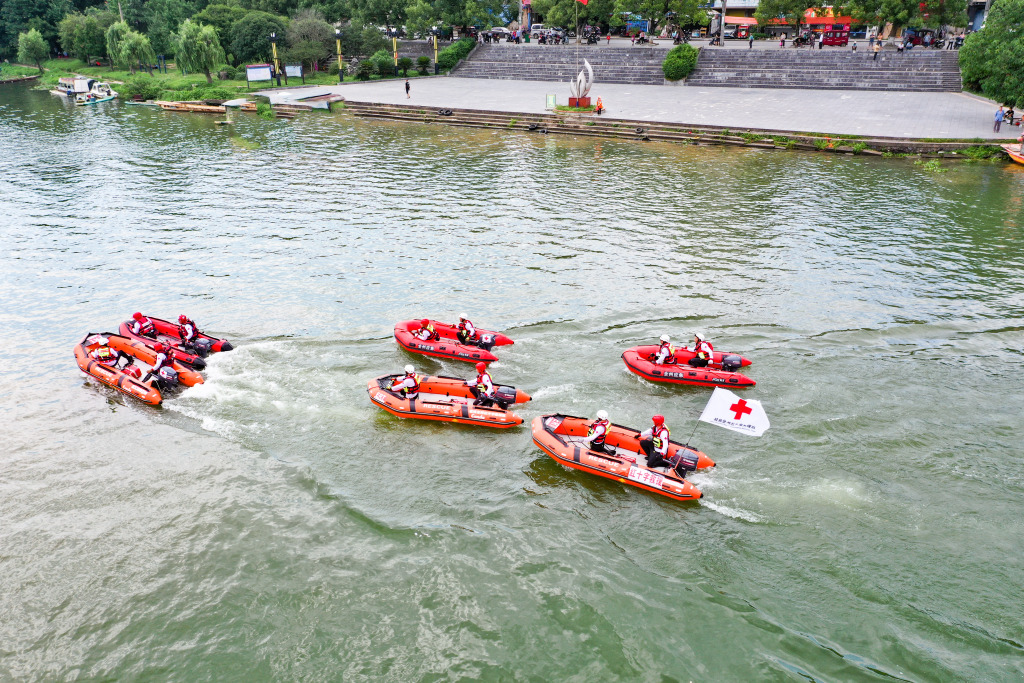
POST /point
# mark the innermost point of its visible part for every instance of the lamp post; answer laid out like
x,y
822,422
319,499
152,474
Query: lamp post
x,y
394,45
277,66
341,64
437,34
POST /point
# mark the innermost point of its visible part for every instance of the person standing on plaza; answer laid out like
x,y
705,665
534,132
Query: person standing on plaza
x,y
821,40
999,120
751,42
878,48
407,95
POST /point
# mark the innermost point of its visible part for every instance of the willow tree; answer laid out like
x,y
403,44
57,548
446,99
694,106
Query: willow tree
x,y
115,36
197,48
135,49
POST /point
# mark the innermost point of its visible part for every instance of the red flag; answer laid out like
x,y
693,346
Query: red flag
x,y
582,2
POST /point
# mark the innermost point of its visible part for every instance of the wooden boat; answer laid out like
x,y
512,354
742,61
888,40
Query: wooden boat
x,y
446,399
193,107
1014,152
561,437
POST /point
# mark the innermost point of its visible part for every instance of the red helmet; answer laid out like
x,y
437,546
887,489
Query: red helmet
x,y
137,316
424,322
658,420
480,367
158,347
182,318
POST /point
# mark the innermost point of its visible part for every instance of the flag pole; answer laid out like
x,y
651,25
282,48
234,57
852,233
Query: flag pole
x,y
687,444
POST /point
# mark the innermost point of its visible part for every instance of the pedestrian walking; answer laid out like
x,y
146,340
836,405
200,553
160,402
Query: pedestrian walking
x,y
609,38
751,41
878,48
821,40
871,42
999,120
782,40
407,95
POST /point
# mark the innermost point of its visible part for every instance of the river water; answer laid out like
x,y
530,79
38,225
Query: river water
x,y
272,524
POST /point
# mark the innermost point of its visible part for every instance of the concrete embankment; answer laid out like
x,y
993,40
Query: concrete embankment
x,y
635,130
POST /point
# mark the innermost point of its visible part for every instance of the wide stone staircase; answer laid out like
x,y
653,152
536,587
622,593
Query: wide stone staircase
x,y
559,63
924,70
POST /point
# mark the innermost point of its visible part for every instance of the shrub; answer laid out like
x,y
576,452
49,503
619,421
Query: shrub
x,y
450,56
365,70
680,62
422,64
332,67
147,88
265,111
228,72
859,147
383,62
404,63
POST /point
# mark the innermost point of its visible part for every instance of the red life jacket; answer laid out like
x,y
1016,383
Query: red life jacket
x,y
599,441
146,327
464,327
183,332
704,349
484,383
414,390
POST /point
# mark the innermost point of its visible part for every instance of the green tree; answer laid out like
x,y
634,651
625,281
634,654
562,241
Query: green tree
x,y
197,49
250,36
221,17
420,17
135,49
115,36
389,13
903,13
311,38
791,11
661,12
82,36
18,16
163,18
992,59
32,49
564,12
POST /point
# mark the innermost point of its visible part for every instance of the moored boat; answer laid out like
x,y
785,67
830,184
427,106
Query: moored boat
x,y
561,437
447,344
1014,152
639,361
446,399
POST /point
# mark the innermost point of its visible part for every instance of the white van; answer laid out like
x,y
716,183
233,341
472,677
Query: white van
x,y
537,29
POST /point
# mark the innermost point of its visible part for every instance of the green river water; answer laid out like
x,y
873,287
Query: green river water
x,y
272,524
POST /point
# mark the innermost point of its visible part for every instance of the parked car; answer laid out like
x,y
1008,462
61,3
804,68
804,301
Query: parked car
x,y
501,32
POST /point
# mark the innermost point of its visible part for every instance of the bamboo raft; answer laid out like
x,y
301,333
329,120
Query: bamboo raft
x,y
193,107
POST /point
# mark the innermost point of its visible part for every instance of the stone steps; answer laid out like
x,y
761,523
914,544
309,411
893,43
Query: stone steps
x,y
563,63
924,71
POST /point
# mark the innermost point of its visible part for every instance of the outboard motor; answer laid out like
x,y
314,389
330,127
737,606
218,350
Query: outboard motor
x,y
505,396
687,461
202,347
486,341
732,363
167,377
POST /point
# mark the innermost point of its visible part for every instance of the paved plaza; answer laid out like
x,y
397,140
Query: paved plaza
x,y
847,112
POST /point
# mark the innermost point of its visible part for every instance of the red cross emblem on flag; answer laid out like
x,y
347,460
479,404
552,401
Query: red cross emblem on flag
x,y
741,408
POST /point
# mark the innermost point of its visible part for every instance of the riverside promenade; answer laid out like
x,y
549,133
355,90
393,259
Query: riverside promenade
x,y
914,115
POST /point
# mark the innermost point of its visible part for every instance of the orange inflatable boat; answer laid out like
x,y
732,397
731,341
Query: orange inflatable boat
x,y
119,377
446,399
561,437
639,360
448,346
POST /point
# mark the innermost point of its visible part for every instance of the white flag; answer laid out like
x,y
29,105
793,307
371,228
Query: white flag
x,y
728,410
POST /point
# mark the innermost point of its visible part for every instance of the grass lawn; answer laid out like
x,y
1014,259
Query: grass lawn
x,y
16,71
175,86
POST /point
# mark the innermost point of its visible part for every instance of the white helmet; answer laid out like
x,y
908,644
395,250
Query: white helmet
x,y
699,335
409,369
602,415
665,338
462,316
